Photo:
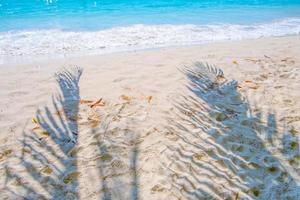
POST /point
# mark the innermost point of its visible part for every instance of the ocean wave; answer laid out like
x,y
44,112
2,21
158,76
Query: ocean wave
x,y
59,42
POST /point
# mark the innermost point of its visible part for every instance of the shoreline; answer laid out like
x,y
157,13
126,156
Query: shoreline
x,y
19,60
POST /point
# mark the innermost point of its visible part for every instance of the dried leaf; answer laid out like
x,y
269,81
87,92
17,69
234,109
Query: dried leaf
x,y
237,196
73,176
272,169
73,152
47,170
149,98
157,188
106,157
60,113
293,131
126,98
255,192
18,182
254,87
45,133
220,78
235,62
94,123
34,120
5,154
251,85
84,101
37,127
94,120
198,156
97,103
26,150
221,117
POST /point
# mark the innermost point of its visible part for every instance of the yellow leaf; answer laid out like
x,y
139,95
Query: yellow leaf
x,y
235,62
45,133
126,98
34,120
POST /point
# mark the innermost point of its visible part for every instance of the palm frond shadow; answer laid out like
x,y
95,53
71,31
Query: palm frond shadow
x,y
54,136
48,165
112,170
226,151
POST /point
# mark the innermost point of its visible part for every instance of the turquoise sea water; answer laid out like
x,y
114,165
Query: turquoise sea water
x,y
99,14
30,27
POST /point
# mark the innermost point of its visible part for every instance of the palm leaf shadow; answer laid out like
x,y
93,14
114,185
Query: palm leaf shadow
x,y
112,169
49,157
53,138
228,153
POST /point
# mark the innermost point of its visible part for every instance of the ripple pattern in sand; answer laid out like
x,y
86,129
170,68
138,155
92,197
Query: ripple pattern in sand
x,y
219,149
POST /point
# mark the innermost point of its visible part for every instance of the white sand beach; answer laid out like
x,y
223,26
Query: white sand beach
x,y
213,121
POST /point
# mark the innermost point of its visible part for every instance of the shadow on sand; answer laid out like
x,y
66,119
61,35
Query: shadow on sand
x,y
226,151
48,164
222,149
52,138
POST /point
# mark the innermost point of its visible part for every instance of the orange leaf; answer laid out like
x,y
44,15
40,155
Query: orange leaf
x,y
251,85
149,98
83,101
220,78
254,87
96,103
238,86
60,113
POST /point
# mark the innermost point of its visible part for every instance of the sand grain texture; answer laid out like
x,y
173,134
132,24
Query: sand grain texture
x,y
155,124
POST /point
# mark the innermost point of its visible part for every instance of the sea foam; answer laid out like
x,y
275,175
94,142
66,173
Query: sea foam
x,y
55,42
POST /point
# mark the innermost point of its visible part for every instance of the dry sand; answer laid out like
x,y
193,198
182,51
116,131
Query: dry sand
x,y
155,124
